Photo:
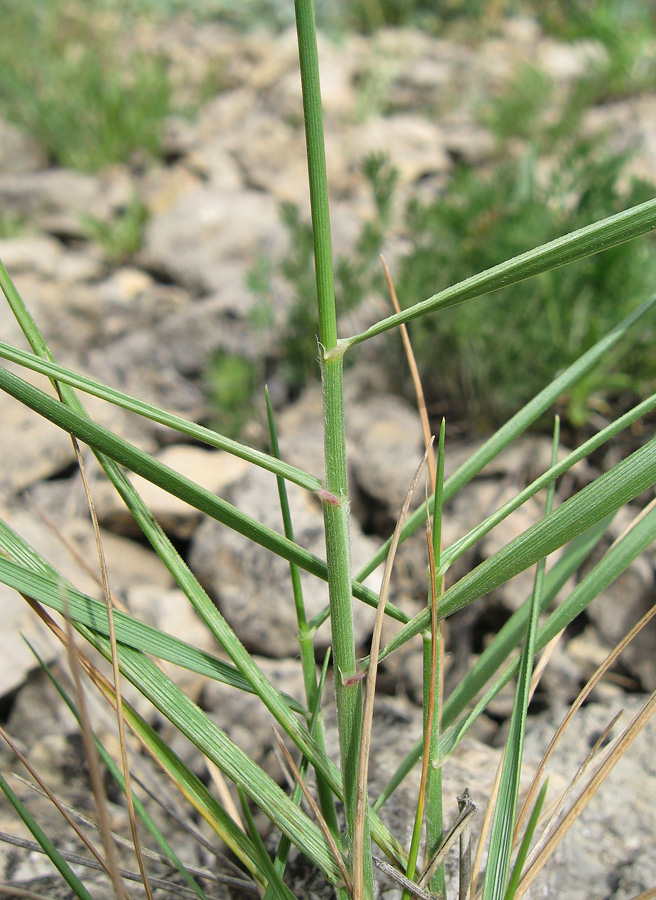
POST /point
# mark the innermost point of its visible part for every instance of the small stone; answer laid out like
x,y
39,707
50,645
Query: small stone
x,y
213,470
388,447
31,447
569,62
208,228
19,153
253,587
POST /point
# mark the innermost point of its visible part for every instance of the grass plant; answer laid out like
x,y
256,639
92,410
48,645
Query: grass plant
x,y
336,838
87,104
120,239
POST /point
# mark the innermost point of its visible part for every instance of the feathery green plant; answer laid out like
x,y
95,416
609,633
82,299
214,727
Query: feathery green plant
x,y
573,529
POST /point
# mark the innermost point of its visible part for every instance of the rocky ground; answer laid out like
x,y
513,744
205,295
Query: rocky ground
x,y
149,327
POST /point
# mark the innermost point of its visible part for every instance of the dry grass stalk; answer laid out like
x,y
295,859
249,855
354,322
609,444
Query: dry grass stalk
x,y
464,875
149,854
414,372
647,895
78,860
461,824
552,814
61,809
576,705
368,713
397,877
619,749
95,777
21,892
489,810
339,859
116,674
224,794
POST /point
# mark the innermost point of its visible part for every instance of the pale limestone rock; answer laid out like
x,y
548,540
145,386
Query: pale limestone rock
x,y
212,469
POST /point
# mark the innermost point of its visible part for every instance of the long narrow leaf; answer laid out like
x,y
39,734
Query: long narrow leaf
x,y
577,245
282,892
143,464
183,576
32,562
155,414
526,843
501,647
129,631
308,660
194,591
634,542
593,503
140,462
117,775
173,703
456,550
517,425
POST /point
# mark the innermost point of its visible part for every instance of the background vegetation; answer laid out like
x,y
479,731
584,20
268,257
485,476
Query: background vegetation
x,y
92,80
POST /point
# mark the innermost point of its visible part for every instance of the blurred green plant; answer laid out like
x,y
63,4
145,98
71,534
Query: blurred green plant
x,y
231,382
520,110
368,15
11,225
627,31
122,237
66,77
556,317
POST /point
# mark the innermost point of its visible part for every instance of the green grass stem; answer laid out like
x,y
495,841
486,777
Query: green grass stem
x,y
434,816
308,661
348,689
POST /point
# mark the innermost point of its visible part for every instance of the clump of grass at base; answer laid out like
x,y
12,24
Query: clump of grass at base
x,y
66,77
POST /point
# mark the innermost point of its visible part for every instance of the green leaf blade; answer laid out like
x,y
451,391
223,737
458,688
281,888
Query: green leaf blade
x,y
602,235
